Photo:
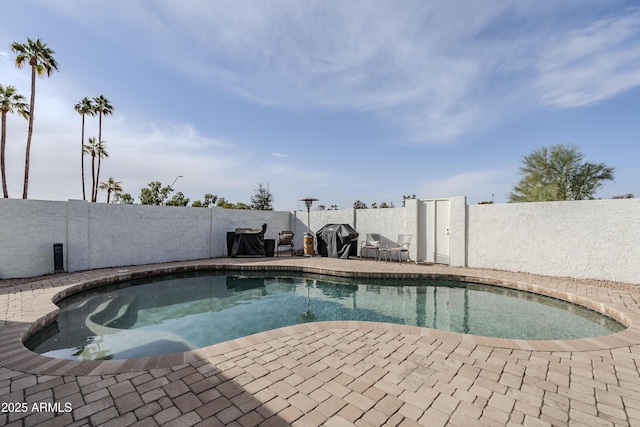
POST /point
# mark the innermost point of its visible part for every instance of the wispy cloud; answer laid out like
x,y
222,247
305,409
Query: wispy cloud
x,y
589,64
425,72
436,70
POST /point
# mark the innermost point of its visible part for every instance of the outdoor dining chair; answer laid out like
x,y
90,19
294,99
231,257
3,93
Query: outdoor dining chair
x,y
372,242
285,238
400,246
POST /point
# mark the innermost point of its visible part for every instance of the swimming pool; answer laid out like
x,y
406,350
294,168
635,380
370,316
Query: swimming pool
x,y
181,312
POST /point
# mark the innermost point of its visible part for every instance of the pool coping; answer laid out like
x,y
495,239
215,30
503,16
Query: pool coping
x,y
15,356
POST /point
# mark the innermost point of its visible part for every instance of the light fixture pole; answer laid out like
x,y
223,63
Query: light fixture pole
x,y
308,237
170,188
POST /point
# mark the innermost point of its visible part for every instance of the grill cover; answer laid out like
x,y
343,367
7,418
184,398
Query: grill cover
x,y
337,241
248,241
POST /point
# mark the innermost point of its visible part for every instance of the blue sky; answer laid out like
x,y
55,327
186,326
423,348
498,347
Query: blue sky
x,y
342,101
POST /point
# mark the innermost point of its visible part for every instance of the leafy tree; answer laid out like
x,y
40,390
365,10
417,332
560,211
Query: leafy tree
x,y
124,198
40,58
559,173
154,194
262,200
624,196
209,200
224,203
359,205
84,107
10,102
178,199
112,186
101,107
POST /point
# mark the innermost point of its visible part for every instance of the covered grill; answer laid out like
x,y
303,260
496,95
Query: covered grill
x,y
246,242
337,241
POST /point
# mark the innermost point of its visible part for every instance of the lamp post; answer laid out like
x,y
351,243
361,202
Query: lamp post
x,y
170,188
308,237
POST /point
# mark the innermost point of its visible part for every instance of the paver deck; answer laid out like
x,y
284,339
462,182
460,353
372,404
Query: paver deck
x,y
330,373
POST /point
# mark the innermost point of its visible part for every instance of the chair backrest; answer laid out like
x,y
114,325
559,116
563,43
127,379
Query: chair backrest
x,y
285,238
404,240
372,239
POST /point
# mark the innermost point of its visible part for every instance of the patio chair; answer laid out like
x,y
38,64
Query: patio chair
x,y
285,238
372,242
400,246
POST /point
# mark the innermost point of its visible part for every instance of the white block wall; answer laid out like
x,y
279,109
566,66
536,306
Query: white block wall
x,y
97,235
388,222
458,232
585,239
28,230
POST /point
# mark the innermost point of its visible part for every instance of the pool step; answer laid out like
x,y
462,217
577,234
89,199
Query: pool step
x,y
105,317
121,342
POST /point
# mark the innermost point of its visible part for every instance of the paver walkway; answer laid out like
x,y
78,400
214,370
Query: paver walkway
x,y
330,373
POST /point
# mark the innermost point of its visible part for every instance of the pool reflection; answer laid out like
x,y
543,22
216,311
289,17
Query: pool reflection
x,y
186,311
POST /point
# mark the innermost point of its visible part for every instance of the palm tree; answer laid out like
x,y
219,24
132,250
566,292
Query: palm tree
x,y
111,186
96,149
83,108
40,58
101,107
100,153
90,149
10,102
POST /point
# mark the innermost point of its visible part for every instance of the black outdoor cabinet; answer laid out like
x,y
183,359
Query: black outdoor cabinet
x,y
337,241
269,247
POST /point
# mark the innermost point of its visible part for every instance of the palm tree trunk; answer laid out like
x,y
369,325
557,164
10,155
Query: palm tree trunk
x,y
95,197
93,175
95,185
25,189
84,197
2,147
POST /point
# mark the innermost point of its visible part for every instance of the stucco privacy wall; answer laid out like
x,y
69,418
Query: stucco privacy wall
x,y
589,239
584,239
97,235
28,230
388,222
321,218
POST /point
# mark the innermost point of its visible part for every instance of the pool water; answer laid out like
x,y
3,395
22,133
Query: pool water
x,y
177,313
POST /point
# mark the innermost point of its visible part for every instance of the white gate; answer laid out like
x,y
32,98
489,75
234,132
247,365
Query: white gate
x,y
433,230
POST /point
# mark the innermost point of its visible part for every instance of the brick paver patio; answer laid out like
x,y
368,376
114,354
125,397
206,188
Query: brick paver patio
x,y
330,373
